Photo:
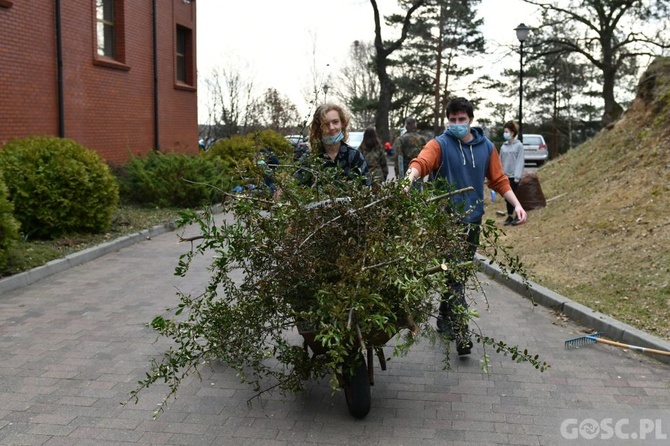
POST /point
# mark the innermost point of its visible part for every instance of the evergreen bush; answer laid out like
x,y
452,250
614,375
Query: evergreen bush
x,y
58,187
172,180
239,153
8,225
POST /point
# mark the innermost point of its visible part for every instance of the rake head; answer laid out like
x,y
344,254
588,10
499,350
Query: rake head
x,y
582,341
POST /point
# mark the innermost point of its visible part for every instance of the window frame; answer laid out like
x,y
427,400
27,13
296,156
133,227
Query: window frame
x,y
118,58
184,71
532,140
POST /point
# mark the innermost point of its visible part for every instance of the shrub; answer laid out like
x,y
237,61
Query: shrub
x,y
239,153
58,187
8,225
239,147
269,139
172,180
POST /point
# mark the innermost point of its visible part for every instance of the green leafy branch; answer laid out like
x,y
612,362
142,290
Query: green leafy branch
x,y
344,276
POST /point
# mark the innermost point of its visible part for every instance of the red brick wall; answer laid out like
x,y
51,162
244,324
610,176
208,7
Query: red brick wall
x,y
28,88
178,108
107,109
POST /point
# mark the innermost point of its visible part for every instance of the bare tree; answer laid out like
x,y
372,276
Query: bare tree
x,y
610,34
357,84
276,112
313,90
230,96
383,51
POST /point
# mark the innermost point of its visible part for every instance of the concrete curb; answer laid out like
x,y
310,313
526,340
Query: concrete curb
x,y
594,320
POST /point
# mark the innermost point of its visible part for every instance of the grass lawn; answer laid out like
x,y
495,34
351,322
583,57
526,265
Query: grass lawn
x,y
28,254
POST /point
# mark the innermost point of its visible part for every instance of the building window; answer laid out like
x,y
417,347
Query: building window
x,y
105,18
109,29
184,55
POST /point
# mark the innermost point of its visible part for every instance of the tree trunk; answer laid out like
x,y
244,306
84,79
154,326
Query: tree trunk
x,y
438,74
386,90
386,86
612,109
553,149
443,105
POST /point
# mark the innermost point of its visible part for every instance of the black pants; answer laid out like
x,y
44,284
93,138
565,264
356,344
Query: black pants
x,y
514,184
453,302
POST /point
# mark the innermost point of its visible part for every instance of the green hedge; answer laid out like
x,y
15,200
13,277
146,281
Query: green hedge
x,y
8,225
238,155
171,180
58,187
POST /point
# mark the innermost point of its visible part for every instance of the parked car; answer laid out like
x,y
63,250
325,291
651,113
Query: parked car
x,y
355,139
535,149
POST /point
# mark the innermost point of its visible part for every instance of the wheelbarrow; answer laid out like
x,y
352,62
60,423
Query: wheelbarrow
x,y
356,375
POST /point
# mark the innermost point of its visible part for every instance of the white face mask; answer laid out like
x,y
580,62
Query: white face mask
x,y
507,136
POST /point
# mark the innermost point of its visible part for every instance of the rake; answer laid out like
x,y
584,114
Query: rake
x,y
595,337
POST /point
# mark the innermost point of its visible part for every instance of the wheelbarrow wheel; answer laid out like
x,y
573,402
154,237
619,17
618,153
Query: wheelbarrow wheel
x,y
357,387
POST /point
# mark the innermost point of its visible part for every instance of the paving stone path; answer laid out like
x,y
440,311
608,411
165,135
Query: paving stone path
x,y
72,347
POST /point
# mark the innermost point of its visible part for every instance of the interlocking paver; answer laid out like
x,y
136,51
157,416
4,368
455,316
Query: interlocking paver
x,y
73,345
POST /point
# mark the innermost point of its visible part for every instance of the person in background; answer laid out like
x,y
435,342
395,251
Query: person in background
x,y
512,158
464,157
371,148
388,148
269,161
407,147
328,132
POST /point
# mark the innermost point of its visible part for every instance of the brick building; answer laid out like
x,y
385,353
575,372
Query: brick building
x,y
117,76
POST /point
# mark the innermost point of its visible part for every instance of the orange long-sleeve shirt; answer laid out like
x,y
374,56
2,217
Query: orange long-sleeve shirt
x,y
430,159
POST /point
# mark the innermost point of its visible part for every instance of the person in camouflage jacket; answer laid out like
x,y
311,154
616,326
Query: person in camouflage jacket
x,y
372,151
407,147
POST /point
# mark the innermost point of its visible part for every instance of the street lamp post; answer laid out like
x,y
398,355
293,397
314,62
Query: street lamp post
x,y
326,87
521,34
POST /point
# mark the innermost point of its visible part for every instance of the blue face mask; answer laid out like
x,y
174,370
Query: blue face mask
x,y
458,130
330,140
506,136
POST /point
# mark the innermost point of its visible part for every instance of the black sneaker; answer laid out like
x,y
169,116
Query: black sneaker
x,y
508,221
515,221
444,326
464,347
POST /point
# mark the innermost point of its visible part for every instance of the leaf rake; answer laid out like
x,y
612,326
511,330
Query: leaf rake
x,y
595,337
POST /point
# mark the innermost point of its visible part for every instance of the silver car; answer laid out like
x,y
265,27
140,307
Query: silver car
x,y
300,145
355,139
535,149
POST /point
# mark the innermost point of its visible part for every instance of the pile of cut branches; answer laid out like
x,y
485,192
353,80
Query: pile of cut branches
x,y
349,266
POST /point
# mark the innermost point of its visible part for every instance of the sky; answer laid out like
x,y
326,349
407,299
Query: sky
x,y
275,43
